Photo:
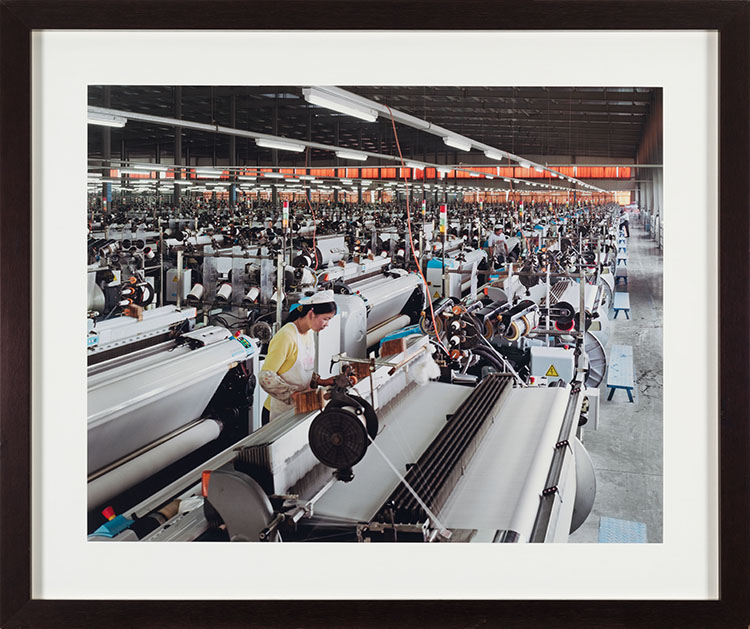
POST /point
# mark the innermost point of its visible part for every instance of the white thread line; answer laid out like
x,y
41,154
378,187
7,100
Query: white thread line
x,y
443,531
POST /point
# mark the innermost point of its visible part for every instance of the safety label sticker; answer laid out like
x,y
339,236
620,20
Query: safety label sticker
x,y
552,372
436,295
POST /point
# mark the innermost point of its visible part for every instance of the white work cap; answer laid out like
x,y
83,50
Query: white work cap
x,y
497,227
321,297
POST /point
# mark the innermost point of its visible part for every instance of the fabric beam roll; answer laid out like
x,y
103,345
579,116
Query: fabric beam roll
x,y
140,468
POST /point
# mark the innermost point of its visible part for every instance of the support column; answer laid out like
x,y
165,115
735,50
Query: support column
x,y
177,143
233,151
106,154
275,152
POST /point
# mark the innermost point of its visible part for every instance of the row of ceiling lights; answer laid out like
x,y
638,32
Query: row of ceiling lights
x,y
298,188
351,104
217,173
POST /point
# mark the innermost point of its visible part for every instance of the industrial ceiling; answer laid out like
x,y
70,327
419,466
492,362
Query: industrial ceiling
x,y
562,123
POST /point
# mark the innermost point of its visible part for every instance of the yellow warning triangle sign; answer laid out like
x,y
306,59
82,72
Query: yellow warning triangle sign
x,y
552,372
436,295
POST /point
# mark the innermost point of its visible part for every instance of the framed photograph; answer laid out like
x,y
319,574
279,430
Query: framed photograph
x,y
696,56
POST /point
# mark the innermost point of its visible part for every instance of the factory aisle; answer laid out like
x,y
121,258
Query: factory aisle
x,y
627,449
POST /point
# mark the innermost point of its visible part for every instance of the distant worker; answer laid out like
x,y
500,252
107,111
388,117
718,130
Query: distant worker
x,y
290,362
625,225
498,246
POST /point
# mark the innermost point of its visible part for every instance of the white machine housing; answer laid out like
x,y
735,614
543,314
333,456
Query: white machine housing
x,y
137,401
462,274
122,331
552,363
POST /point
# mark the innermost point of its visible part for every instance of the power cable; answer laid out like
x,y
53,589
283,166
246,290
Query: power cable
x,y
411,239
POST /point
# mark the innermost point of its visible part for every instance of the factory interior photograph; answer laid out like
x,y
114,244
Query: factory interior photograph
x,y
375,313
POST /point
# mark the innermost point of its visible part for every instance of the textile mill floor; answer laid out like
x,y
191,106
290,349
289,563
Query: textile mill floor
x,y
627,449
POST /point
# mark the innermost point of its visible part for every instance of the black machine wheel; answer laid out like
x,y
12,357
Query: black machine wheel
x,y
338,437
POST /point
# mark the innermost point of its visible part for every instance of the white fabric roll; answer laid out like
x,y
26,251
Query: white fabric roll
x,y
133,472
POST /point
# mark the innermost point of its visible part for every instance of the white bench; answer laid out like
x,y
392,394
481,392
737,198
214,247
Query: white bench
x,y
621,274
622,302
620,373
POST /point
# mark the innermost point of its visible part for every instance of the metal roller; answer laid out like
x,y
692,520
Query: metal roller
x,y
585,485
106,486
387,297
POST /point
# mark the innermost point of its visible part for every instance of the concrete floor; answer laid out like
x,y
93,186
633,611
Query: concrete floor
x,y
627,448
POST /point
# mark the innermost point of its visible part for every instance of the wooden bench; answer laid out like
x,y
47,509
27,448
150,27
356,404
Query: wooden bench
x,y
621,302
620,373
621,275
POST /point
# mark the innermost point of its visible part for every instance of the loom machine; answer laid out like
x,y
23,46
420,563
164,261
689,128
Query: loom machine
x,y
163,396
392,456
452,270
373,298
540,326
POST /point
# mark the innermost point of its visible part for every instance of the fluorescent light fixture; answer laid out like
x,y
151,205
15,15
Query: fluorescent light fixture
x,y
306,177
457,143
153,167
316,97
292,180
181,182
539,170
523,164
489,176
131,171
205,175
416,165
316,180
107,120
347,182
94,175
351,155
366,182
280,144
246,177
494,155
473,174
273,175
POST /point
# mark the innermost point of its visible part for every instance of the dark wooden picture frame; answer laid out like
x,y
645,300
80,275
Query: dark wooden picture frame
x,y
731,18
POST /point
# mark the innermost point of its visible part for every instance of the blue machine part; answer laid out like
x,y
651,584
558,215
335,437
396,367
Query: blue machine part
x,y
437,263
246,343
407,331
113,527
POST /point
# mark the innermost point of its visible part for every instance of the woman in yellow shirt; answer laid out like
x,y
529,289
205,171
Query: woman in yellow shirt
x,y
290,361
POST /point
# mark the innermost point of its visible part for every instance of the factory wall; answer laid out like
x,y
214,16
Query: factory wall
x,y
650,190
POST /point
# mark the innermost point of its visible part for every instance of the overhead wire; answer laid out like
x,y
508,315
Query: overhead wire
x,y
411,239
435,328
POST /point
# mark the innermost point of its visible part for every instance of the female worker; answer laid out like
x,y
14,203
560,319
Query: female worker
x,y
290,361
